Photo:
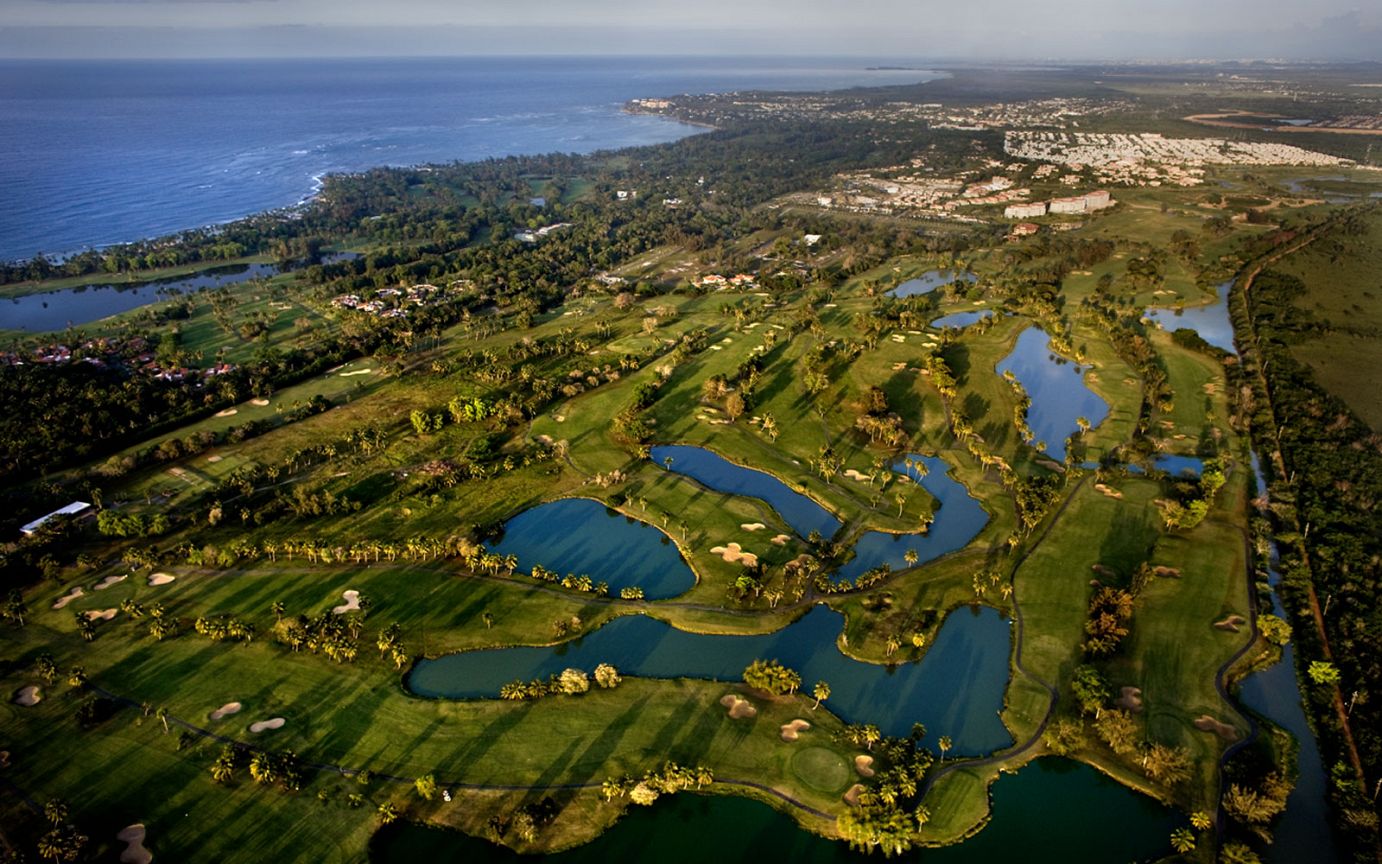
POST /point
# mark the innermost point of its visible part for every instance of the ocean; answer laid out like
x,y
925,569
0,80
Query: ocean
x,y
101,152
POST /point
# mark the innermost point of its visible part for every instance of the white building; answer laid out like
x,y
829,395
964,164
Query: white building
x,y
1024,211
73,509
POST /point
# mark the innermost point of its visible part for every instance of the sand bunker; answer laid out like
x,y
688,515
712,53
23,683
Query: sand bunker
x,y
864,765
225,711
734,552
1105,490
229,412
1205,723
781,539
265,725
215,458
856,475
356,372
352,598
134,853
792,731
1231,623
28,696
1106,572
111,580
260,402
1131,699
753,526
69,597
851,796
739,707
101,614
161,579
1166,571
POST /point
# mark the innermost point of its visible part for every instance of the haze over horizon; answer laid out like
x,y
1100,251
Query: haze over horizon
x,y
1060,30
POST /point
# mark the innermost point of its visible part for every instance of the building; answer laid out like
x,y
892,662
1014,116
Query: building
x,y
76,508
1075,204
1024,211
1098,199
811,239
1025,229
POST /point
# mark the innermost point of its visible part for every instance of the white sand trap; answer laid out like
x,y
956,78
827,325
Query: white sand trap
x,y
739,707
101,614
792,731
1131,699
161,579
1205,723
134,853
753,526
356,372
352,598
262,403
864,765
851,796
1162,570
734,552
1106,490
265,725
781,539
214,459
225,711
69,597
716,348
855,474
560,418
28,696
111,580
229,412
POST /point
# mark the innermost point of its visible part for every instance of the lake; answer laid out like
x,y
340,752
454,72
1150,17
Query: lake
x,y
1053,811
1057,389
1210,320
930,281
957,688
581,536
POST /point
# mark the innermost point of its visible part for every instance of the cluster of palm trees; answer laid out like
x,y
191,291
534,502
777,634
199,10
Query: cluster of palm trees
x,y
772,676
888,813
219,628
336,636
62,842
570,682
277,769
668,779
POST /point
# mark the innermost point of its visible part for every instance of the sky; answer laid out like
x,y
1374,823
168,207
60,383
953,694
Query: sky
x,y
934,29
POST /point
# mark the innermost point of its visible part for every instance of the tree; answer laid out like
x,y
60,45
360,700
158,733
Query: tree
x,y
1201,820
426,786
772,676
607,676
944,744
387,813
573,682
1183,840
162,715
734,406
46,668
821,692
1324,673
55,810
14,608
76,677
1274,629
1237,853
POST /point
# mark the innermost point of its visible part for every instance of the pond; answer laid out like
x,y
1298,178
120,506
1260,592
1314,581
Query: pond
x,y
1178,465
578,535
958,519
1053,811
712,470
957,688
960,320
54,310
1057,390
930,281
1211,320
1303,832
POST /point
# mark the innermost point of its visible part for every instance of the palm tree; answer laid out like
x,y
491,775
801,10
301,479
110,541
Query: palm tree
x,y
162,715
901,499
1201,820
77,676
1183,840
278,610
387,813
910,556
55,811
944,743
822,692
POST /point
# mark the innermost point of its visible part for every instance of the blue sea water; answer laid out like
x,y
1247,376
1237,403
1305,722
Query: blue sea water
x,y
100,152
